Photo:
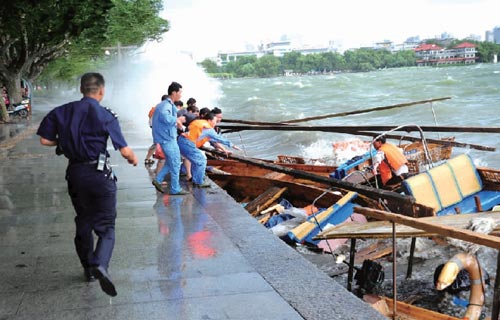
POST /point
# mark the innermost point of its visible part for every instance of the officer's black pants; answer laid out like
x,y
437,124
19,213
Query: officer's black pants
x,y
93,196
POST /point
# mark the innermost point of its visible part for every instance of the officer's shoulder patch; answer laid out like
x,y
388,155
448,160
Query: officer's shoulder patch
x,y
111,111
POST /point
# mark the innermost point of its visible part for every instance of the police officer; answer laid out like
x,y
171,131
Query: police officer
x,y
80,130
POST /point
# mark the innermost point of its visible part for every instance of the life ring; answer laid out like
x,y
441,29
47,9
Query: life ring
x,y
449,273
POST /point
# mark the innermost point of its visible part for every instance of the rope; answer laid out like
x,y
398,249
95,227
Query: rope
x,y
334,255
242,145
435,119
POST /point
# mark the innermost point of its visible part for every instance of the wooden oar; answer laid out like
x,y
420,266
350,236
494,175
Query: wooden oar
x,y
355,129
436,141
406,201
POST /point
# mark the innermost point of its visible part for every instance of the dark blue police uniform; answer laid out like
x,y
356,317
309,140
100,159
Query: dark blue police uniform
x,y
82,129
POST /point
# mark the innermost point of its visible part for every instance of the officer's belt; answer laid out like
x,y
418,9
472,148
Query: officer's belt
x,y
71,163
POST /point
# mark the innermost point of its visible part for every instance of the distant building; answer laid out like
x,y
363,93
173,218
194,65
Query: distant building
x,y
473,37
277,49
433,55
385,45
496,35
224,58
488,36
409,44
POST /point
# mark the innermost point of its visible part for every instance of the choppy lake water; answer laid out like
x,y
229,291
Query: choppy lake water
x,y
474,92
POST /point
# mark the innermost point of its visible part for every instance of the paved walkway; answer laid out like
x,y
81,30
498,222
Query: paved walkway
x,y
199,256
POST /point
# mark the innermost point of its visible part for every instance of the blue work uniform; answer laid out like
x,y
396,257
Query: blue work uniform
x,y
82,129
165,133
196,156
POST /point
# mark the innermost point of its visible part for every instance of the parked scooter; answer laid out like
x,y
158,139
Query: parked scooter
x,y
22,109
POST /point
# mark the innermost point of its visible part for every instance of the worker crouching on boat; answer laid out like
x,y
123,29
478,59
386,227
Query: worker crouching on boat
x,y
200,131
390,161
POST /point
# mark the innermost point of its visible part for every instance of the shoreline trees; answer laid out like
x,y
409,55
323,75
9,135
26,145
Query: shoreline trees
x,y
358,60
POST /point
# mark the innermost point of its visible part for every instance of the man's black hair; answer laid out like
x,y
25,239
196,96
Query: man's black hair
x,y
381,139
91,82
174,87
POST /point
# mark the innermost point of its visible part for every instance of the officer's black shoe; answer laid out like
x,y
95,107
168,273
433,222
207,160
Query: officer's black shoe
x,y
104,280
89,277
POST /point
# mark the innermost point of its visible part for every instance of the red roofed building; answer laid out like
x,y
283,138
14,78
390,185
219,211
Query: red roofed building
x,y
433,55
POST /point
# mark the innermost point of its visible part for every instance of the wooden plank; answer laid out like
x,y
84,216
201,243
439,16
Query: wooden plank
x,y
383,229
440,229
408,312
264,200
373,252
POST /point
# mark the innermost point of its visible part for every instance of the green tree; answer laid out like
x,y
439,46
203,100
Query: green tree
x,y
210,66
133,22
290,60
130,24
33,33
238,68
486,51
267,66
247,70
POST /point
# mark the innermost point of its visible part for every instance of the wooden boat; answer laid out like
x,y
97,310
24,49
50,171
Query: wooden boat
x,y
228,166
418,160
404,311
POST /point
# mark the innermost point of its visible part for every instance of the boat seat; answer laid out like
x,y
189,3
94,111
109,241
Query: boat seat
x,y
451,186
333,215
422,189
466,175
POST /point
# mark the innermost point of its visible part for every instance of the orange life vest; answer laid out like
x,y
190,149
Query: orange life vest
x,y
195,130
151,111
394,159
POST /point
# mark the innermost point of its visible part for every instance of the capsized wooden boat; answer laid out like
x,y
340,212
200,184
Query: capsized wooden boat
x,y
395,201
245,189
261,198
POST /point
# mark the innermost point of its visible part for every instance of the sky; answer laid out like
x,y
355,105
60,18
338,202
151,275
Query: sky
x,y
205,27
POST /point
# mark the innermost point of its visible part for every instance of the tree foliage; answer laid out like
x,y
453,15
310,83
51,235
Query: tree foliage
x,y
33,33
325,62
134,22
69,33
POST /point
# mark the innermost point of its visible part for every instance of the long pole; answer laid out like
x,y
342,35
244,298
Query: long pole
x,y
348,113
436,141
339,114
355,129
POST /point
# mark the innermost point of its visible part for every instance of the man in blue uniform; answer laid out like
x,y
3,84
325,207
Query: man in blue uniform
x,y
80,130
165,125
